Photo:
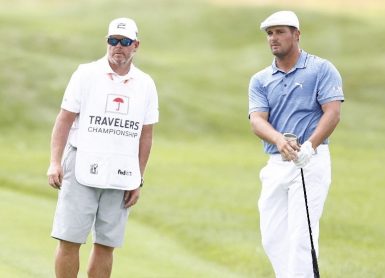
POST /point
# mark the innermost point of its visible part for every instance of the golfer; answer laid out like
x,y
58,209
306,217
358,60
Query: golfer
x,y
301,94
104,134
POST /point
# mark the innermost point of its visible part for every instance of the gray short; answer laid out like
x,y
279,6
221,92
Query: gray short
x,y
82,208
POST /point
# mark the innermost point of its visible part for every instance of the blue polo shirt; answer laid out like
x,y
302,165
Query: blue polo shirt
x,y
293,100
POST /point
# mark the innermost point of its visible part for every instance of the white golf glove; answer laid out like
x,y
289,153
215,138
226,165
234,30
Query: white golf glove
x,y
304,154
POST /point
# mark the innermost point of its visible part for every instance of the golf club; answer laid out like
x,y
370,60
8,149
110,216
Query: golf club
x,y
313,253
292,137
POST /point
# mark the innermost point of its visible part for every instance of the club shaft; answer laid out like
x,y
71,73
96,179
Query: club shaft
x,y
313,253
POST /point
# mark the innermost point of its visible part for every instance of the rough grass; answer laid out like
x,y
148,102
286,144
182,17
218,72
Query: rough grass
x,y
362,8
197,215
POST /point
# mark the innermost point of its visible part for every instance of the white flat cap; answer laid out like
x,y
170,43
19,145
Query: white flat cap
x,y
284,18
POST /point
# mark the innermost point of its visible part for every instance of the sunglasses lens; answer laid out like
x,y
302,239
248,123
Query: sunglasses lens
x,y
125,42
112,41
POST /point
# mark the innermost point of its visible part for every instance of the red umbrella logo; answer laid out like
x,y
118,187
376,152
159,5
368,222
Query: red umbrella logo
x,y
118,100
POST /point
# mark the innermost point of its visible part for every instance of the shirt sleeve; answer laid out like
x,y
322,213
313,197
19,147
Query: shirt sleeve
x,y
72,95
330,84
257,99
152,110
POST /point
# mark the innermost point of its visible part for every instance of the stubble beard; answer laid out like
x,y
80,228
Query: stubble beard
x,y
280,52
122,61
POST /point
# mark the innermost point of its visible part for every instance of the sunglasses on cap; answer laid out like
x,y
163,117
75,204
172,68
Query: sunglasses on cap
x,y
123,42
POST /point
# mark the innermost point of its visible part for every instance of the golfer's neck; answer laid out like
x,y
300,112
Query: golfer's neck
x,y
288,61
121,69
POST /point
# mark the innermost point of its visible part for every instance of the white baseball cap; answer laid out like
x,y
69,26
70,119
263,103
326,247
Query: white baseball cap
x,y
124,27
285,18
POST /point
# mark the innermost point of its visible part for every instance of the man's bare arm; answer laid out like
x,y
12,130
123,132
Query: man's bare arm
x,y
327,123
264,130
59,138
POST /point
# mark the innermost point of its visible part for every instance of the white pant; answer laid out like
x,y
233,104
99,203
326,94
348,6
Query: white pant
x,y
283,220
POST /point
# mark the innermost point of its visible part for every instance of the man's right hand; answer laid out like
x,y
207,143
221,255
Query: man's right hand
x,y
55,175
288,149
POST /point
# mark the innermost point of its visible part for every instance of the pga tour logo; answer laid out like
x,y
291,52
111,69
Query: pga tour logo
x,y
94,168
117,104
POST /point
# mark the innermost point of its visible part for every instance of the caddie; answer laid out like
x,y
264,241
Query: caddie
x,y
100,145
298,93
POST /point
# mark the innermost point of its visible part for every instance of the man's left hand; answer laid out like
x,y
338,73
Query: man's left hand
x,y
304,155
131,197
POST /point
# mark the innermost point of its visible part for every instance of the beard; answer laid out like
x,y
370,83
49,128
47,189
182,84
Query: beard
x,y
120,59
277,50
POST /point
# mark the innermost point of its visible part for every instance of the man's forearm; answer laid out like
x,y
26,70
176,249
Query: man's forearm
x,y
263,129
327,123
145,145
59,135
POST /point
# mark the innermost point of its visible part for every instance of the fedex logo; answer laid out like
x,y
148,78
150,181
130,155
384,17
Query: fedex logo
x,y
124,172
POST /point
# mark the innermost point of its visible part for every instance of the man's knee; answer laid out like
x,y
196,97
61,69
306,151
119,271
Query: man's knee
x,y
103,249
100,264
68,248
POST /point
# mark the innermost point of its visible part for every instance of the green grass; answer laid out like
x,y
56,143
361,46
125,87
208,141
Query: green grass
x,y
197,215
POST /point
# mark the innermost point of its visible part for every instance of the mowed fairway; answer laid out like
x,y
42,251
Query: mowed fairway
x,y
197,216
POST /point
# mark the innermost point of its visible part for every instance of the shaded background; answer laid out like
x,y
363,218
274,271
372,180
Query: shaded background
x,y
197,215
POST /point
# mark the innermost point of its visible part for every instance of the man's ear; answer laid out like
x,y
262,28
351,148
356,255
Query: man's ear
x,y
298,34
136,44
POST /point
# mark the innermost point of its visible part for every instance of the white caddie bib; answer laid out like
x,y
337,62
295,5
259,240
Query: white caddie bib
x,y
110,124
